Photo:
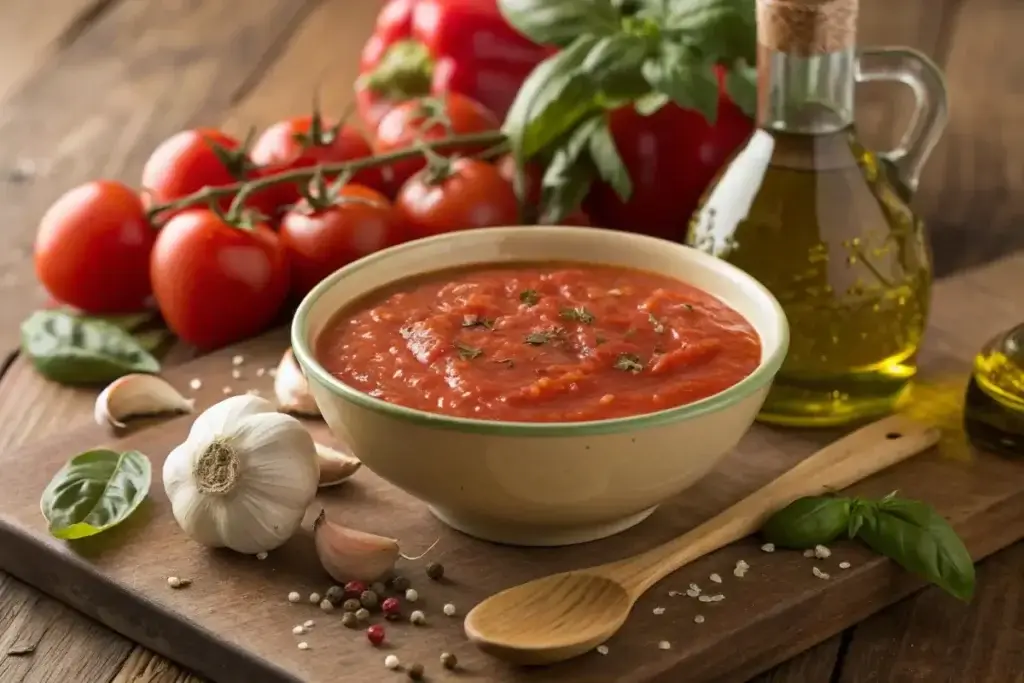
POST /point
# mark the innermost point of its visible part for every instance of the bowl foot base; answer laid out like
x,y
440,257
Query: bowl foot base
x,y
508,533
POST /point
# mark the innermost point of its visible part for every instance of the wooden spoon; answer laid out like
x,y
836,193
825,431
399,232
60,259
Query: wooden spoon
x,y
564,615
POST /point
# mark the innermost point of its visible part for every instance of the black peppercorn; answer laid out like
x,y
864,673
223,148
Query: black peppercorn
x,y
435,570
416,672
336,595
368,599
351,605
449,660
398,584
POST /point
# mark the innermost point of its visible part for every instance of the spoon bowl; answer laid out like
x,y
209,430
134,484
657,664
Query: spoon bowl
x,y
550,619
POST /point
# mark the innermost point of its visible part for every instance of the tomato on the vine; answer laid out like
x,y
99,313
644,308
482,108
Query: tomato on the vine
x,y
92,249
310,140
216,283
430,119
466,194
321,239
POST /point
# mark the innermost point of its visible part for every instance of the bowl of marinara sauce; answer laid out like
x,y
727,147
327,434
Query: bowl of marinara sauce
x,y
540,385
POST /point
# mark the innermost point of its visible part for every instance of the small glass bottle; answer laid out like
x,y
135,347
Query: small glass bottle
x,y
994,406
824,222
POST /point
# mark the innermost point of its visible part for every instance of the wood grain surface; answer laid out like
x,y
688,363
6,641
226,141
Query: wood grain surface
x,y
234,623
89,87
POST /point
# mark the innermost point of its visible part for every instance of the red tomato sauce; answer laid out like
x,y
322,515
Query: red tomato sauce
x,y
540,343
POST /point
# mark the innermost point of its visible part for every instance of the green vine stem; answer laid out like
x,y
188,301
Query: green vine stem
x,y
245,189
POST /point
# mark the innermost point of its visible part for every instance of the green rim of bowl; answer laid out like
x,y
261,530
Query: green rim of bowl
x,y
764,373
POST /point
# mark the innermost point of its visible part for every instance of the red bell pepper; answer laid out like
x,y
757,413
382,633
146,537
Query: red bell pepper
x,y
422,47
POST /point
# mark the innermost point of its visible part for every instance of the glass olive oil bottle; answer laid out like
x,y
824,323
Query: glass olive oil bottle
x,y
822,221
994,407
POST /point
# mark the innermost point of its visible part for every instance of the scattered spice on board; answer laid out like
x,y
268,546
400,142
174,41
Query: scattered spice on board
x,y
768,547
362,614
664,645
449,610
349,620
658,610
309,623
820,574
237,360
411,595
195,384
417,618
435,571
602,649
844,565
699,619
375,634
821,552
715,578
391,662
351,605
294,597
175,582
416,672
450,661
326,605
368,599
303,645
314,598
299,630
261,555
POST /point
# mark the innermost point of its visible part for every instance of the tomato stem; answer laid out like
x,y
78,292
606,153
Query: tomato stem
x,y
303,175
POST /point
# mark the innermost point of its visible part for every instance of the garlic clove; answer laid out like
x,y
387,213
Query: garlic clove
x,y
351,555
292,389
138,395
335,466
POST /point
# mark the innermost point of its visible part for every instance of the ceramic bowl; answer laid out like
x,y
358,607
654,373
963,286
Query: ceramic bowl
x,y
540,483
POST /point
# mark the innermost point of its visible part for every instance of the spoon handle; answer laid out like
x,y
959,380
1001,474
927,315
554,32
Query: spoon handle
x,y
836,466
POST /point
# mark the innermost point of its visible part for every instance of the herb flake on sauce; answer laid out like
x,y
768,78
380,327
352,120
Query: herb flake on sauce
x,y
579,313
541,338
505,361
467,352
655,323
477,321
629,362
530,297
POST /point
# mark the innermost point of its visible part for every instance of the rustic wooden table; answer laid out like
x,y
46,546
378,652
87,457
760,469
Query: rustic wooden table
x,y
89,87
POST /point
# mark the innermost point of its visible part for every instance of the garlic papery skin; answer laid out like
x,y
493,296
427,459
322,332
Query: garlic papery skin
x,y
292,390
138,395
244,476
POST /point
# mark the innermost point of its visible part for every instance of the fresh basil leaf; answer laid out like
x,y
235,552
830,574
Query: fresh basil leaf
x,y
859,510
560,22
607,161
95,491
614,63
554,97
915,536
680,73
807,522
153,339
651,102
74,350
741,85
563,194
128,321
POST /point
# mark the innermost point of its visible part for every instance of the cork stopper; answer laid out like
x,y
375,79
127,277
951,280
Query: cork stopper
x,y
807,27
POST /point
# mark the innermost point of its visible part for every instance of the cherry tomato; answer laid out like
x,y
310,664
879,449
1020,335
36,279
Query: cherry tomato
x,y
309,140
473,195
217,284
672,156
415,120
191,160
92,249
319,241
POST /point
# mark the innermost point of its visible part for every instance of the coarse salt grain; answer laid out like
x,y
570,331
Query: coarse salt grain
x,y
226,390
658,610
664,645
704,598
391,662
602,649
260,372
308,623
695,588
844,565
715,578
262,555
237,360
809,552
174,582
303,645
236,374
314,598
717,598
449,610
411,595
294,596
299,630
821,552
740,564
820,574
674,594
699,619
195,384
693,593
768,547
326,605
739,572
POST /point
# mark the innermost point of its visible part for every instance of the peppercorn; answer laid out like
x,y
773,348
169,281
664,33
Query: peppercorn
x,y
416,672
378,588
368,599
392,608
398,583
418,617
449,660
362,614
351,605
353,589
348,620
336,595
435,570
375,634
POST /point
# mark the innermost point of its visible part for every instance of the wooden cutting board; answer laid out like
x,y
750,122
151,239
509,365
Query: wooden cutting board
x,y
233,624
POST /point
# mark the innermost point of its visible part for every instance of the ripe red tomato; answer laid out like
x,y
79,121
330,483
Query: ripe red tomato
x,y
672,156
92,249
217,284
320,241
304,141
189,161
416,120
473,195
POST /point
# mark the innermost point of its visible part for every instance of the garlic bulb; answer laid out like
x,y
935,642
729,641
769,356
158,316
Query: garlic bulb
x,y
244,476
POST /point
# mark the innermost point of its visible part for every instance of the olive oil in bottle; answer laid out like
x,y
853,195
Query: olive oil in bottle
x,y
824,222
994,407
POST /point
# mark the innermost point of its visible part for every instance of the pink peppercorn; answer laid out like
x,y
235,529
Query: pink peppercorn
x,y
353,589
391,608
375,634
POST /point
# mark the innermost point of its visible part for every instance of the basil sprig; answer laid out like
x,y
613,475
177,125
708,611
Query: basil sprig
x,y
95,491
909,532
643,53
73,349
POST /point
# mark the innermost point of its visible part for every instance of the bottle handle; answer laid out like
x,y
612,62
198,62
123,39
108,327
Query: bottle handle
x,y
931,114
